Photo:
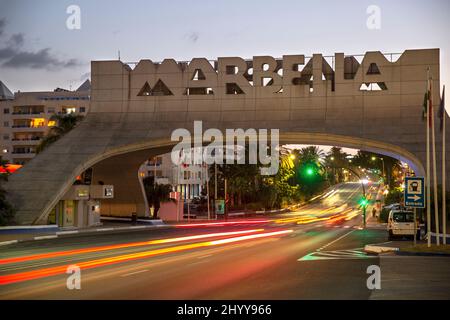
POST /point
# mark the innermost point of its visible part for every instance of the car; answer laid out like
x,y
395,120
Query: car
x,y
401,223
383,216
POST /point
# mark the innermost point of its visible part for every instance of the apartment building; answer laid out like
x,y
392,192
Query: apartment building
x,y
25,117
189,180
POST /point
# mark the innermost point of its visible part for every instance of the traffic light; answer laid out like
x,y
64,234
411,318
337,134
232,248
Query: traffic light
x,y
309,171
363,202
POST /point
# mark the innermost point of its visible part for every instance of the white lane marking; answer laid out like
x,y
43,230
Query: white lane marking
x,y
5,243
205,256
335,255
132,273
346,227
66,232
105,229
45,237
336,240
138,227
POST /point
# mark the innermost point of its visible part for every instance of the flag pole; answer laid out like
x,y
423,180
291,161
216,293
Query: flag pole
x,y
433,141
428,163
444,198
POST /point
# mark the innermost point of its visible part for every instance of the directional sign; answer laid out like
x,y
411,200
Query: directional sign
x,y
415,192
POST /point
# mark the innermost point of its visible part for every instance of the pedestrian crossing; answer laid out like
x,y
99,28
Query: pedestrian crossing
x,y
337,255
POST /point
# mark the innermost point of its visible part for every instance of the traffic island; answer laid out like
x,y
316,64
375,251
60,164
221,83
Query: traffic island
x,y
377,249
423,250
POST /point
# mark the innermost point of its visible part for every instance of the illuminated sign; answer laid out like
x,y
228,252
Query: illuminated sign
x,y
108,191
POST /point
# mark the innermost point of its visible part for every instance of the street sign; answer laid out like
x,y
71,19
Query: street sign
x,y
220,206
415,192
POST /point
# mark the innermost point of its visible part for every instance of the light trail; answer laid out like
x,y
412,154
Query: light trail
x,y
52,271
215,224
121,246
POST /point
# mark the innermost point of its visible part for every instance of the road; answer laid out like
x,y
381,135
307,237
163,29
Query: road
x,y
312,253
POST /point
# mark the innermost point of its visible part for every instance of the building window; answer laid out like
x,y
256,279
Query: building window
x,y
51,110
37,122
6,137
68,110
6,110
82,109
6,124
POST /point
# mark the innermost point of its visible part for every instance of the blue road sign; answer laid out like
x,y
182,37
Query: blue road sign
x,y
415,192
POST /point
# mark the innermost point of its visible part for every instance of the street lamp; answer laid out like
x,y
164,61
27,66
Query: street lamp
x,y
382,160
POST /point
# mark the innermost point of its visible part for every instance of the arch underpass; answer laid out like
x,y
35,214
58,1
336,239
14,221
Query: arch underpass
x,y
134,111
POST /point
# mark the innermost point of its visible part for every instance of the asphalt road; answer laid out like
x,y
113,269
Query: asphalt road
x,y
313,253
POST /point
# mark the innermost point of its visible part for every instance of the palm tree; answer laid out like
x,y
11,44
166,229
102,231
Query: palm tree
x,y
312,154
156,193
64,123
335,161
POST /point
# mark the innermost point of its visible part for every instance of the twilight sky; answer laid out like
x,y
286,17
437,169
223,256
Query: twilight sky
x,y
38,51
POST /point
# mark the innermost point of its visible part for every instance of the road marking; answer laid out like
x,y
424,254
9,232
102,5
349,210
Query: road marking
x,y
66,232
5,243
336,240
105,229
205,256
45,237
132,273
337,255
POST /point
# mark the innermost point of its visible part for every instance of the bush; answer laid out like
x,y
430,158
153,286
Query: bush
x,y
6,210
395,195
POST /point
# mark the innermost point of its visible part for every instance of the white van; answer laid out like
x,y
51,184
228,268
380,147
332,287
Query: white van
x,y
401,223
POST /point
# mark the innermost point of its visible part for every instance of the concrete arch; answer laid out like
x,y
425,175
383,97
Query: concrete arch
x,y
119,166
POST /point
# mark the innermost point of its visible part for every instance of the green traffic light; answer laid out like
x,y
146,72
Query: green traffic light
x,y
309,171
363,202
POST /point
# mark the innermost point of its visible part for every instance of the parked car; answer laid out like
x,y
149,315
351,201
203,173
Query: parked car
x,y
401,223
383,216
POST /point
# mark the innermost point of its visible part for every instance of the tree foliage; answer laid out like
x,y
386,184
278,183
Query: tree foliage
x,y
64,123
155,194
6,209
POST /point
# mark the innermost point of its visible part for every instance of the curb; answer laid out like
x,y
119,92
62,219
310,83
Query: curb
x,y
68,233
379,249
422,254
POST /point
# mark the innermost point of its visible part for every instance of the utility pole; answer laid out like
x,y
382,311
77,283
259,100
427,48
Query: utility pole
x,y
207,192
226,202
415,226
215,189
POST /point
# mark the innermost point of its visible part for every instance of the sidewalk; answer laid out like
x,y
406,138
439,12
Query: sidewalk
x,y
372,221
11,236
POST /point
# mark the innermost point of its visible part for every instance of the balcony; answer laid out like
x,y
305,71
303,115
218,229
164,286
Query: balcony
x,y
27,128
24,142
22,154
27,112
